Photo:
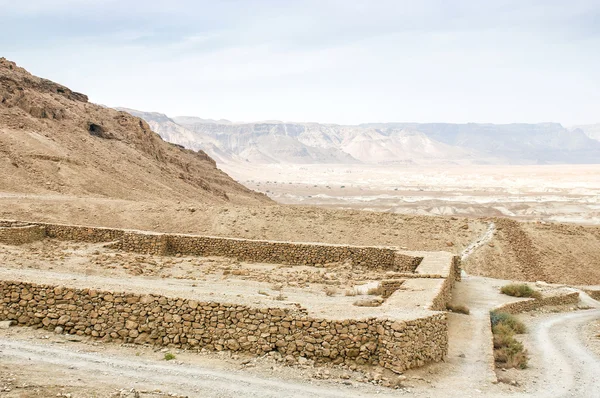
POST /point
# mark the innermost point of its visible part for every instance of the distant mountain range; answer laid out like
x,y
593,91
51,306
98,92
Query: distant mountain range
x,y
380,143
591,130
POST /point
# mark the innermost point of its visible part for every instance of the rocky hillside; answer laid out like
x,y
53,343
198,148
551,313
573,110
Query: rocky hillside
x,y
53,141
591,130
517,143
383,143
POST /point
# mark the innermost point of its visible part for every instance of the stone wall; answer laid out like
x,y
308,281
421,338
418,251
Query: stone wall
x,y
532,304
595,294
18,235
242,249
176,322
147,243
389,286
444,295
289,252
82,234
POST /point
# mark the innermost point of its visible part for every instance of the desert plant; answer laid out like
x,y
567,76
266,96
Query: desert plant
x,y
503,335
461,309
512,355
169,356
508,352
507,320
350,292
330,291
520,290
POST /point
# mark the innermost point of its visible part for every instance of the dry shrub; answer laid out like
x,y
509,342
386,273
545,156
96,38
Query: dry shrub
x,y
460,309
508,352
330,291
512,356
520,290
350,292
503,335
507,320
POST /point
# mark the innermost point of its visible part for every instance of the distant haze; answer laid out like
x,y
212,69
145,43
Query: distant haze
x,y
327,61
271,142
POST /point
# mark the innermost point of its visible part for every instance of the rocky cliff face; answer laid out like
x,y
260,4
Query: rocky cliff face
x,y
387,143
52,140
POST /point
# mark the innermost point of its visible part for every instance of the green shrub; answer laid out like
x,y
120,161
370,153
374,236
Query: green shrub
x,y
508,352
507,320
169,356
520,290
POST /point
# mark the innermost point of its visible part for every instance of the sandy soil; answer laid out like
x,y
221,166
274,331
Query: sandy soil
x,y
560,363
559,253
38,364
564,193
591,332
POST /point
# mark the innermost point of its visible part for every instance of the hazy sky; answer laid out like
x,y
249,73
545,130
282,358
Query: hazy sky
x,y
342,61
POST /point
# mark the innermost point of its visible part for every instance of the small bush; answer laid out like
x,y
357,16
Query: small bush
x,y
507,320
330,291
520,290
350,292
503,335
169,356
508,352
460,309
512,355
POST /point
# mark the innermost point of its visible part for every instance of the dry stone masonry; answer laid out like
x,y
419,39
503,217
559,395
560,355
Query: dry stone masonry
x,y
241,249
21,234
175,322
383,340
531,304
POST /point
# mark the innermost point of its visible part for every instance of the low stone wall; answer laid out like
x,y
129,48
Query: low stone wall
x,y
532,304
289,252
147,243
82,234
18,235
444,295
176,322
242,249
595,294
389,286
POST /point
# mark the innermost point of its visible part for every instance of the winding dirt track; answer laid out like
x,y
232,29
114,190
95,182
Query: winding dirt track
x,y
567,366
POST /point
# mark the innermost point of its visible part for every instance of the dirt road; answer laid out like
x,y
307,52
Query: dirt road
x,y
70,364
566,367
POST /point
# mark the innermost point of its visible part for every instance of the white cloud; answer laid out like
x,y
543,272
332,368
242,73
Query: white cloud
x,y
333,61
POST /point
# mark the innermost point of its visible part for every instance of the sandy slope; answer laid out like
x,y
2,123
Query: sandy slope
x,y
53,141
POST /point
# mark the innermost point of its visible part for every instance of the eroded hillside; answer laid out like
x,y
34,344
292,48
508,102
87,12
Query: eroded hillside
x,y
54,142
